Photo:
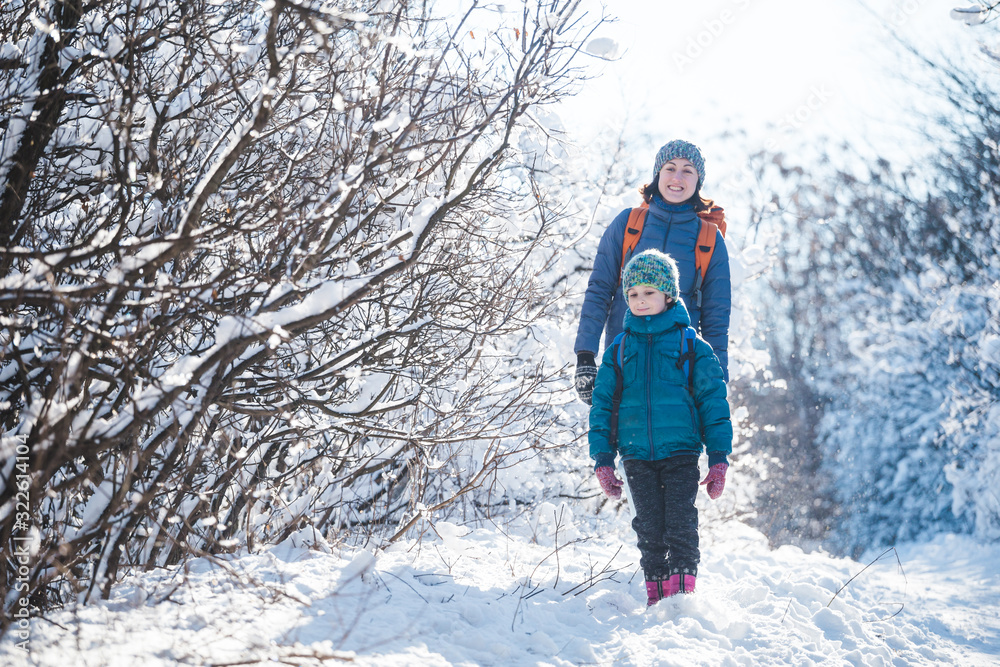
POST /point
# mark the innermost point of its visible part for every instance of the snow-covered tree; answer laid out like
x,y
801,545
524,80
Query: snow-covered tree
x,y
975,15
261,266
885,294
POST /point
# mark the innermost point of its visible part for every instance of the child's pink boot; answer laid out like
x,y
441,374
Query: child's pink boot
x,y
678,583
653,594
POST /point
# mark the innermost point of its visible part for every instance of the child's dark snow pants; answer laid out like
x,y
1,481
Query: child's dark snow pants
x,y
666,520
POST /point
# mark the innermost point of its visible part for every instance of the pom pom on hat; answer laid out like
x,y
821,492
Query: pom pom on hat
x,y
653,268
683,149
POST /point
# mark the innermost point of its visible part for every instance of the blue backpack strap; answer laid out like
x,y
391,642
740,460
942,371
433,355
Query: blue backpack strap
x,y
686,360
616,399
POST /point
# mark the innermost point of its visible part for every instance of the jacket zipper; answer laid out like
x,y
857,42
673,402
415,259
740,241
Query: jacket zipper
x,y
649,393
666,242
666,236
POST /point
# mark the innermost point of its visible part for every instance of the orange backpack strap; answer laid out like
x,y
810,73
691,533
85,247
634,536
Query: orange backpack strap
x,y
712,220
633,232
705,247
716,215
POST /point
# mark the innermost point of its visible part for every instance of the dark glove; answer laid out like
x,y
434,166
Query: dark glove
x,y
610,484
715,480
586,373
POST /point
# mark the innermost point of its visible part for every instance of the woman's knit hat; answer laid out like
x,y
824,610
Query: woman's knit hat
x,y
653,268
680,148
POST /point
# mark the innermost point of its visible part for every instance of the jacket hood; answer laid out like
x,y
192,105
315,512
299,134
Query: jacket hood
x,y
654,324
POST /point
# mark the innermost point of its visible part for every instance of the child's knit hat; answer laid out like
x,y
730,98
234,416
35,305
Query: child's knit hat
x,y
680,148
654,268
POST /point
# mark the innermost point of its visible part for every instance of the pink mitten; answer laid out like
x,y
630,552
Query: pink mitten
x,y
715,480
611,485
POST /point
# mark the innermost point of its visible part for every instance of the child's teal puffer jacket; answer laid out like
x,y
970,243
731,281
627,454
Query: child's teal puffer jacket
x,y
658,416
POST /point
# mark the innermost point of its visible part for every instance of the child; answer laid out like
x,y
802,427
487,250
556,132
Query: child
x,y
662,425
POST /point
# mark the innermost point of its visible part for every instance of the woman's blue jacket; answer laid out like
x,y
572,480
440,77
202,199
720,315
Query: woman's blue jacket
x,y
658,416
673,229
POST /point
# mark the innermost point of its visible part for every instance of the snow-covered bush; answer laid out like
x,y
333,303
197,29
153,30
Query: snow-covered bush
x,y
260,265
885,297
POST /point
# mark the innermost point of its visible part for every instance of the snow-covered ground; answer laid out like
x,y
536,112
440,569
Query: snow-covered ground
x,y
548,588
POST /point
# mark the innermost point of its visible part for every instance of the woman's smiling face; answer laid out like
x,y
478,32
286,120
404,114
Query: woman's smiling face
x,y
678,180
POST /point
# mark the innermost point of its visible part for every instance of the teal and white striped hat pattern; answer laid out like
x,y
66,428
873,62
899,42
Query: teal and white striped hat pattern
x,y
653,268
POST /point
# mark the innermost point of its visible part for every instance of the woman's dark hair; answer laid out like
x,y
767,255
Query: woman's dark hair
x,y
700,203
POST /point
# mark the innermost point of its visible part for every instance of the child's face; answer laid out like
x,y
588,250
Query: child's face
x,y
647,300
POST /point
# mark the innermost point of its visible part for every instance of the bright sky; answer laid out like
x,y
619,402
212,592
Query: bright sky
x,y
781,70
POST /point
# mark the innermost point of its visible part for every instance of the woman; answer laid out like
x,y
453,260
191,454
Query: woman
x,y
671,226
